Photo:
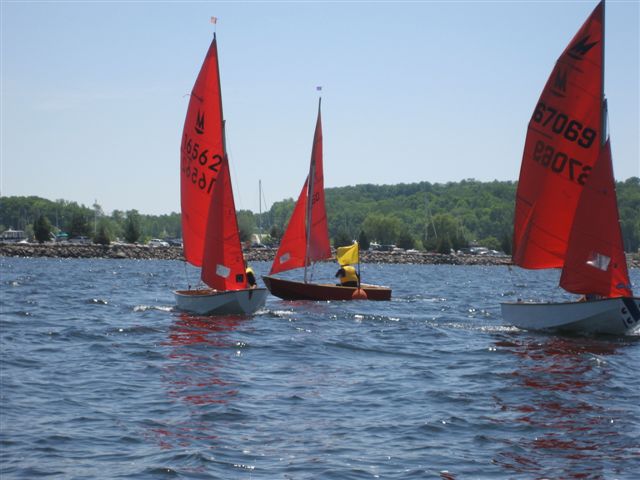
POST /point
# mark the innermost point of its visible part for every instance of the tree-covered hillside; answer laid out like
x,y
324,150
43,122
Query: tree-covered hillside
x,y
436,216
78,220
417,215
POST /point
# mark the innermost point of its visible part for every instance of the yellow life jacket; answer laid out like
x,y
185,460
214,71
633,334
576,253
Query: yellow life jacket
x,y
350,274
250,276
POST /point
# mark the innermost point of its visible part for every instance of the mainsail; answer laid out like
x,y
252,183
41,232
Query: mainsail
x,y
201,154
562,145
223,263
306,238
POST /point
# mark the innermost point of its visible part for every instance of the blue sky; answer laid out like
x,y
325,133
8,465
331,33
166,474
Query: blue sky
x,y
94,94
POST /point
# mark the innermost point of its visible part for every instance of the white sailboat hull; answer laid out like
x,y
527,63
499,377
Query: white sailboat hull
x,y
613,316
212,302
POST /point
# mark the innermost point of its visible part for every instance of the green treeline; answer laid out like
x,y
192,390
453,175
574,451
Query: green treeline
x,y
422,215
439,216
23,213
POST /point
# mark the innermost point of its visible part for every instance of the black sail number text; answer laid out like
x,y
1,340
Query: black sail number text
x,y
198,165
560,163
561,124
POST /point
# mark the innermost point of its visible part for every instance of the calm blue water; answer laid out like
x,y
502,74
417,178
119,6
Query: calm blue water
x,y
100,378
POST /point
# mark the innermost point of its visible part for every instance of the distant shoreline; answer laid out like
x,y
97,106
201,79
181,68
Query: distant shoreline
x,y
144,252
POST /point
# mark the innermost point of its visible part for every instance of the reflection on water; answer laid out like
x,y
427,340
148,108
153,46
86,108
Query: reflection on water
x,y
200,349
190,330
562,403
199,346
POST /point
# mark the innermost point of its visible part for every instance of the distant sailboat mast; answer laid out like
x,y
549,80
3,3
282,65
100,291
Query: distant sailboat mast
x,y
429,216
310,188
260,211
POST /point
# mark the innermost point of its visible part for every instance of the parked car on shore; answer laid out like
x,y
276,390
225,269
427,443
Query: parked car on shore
x,y
156,242
81,240
174,242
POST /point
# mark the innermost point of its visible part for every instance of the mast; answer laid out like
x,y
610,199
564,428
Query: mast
x,y
312,170
224,122
224,137
260,211
429,217
603,102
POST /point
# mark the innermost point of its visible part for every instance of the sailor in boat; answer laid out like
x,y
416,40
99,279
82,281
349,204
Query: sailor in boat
x,y
348,276
251,276
589,297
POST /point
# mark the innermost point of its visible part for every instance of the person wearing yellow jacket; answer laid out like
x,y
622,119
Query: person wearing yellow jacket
x,y
348,276
251,277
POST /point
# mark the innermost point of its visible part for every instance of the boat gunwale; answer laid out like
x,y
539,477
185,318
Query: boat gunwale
x,y
212,292
574,302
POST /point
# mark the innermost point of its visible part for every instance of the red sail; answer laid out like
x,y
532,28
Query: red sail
x,y
293,252
319,246
201,154
223,263
562,145
595,262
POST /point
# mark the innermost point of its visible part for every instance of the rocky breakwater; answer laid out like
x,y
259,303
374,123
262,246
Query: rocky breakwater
x,y
429,258
69,250
419,258
144,252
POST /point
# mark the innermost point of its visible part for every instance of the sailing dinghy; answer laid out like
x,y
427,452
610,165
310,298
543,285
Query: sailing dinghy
x,y
566,213
306,240
209,224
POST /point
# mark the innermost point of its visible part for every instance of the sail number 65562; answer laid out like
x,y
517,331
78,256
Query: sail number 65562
x,y
200,173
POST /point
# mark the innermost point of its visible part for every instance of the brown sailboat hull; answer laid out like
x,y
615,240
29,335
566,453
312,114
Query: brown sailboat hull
x,y
290,290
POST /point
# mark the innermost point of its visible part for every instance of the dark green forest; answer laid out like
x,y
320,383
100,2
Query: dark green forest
x,y
434,217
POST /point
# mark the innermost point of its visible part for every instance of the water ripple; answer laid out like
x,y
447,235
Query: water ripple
x,y
107,380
